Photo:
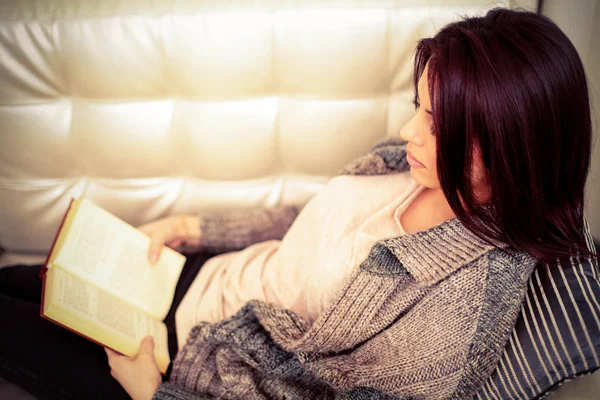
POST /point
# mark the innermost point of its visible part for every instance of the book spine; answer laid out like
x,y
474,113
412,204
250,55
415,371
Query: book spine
x,y
45,266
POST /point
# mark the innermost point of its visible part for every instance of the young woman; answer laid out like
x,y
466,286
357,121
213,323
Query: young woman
x,y
404,276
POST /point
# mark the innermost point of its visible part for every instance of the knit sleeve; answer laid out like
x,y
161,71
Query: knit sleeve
x,y
236,230
388,156
168,391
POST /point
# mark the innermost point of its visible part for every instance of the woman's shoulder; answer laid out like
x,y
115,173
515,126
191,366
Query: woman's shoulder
x,y
504,271
507,261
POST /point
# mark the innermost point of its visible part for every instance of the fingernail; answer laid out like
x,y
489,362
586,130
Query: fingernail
x,y
153,257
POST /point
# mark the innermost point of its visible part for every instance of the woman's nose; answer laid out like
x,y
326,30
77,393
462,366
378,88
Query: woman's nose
x,y
410,132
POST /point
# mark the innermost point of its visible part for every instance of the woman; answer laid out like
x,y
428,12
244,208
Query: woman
x,y
404,276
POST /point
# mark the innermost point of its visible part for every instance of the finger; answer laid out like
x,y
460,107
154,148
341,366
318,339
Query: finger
x,y
145,229
115,355
110,353
175,243
147,346
156,244
113,358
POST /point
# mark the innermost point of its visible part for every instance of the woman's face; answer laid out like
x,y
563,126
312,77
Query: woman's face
x,y
421,145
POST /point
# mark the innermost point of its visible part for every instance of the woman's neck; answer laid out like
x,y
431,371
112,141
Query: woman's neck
x,y
428,209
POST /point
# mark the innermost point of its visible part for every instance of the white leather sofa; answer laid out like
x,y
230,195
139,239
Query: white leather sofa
x,y
171,107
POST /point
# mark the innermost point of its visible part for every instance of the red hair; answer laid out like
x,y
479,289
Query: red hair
x,y
512,83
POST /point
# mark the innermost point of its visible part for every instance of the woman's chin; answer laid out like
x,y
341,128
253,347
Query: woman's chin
x,y
420,175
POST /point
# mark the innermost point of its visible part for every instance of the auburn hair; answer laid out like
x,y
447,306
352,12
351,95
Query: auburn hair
x,y
512,83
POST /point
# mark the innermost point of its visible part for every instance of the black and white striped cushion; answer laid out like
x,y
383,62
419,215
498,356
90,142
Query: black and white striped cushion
x,y
557,334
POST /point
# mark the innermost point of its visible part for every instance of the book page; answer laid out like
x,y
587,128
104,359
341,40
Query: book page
x,y
97,314
112,254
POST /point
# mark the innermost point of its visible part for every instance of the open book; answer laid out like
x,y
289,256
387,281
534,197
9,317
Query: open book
x,y
99,283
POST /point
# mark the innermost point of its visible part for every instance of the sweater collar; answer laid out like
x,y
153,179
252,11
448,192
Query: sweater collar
x,y
428,256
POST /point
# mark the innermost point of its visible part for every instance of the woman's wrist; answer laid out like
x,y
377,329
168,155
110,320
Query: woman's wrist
x,y
190,225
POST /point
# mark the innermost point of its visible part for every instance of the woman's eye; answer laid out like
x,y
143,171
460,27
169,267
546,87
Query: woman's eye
x,y
416,104
432,129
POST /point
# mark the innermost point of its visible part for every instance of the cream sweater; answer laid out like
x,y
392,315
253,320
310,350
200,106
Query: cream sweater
x,y
302,272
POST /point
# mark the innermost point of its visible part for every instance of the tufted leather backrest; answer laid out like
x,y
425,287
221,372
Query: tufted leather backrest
x,y
170,107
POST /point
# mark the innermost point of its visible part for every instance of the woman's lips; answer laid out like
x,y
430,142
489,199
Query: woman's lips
x,y
413,162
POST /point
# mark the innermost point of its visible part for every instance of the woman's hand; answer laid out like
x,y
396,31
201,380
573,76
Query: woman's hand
x,y
176,232
139,376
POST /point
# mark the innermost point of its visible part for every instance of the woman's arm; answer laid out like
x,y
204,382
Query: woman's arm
x,y
235,230
223,232
216,233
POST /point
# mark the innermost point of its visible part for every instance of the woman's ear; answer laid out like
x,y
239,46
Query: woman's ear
x,y
479,177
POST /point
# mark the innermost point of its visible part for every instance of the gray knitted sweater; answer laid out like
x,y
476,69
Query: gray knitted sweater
x,y
426,316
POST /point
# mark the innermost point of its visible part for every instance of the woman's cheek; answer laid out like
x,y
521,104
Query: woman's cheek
x,y
426,177
433,175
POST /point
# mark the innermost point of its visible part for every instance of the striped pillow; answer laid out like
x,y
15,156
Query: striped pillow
x,y
557,335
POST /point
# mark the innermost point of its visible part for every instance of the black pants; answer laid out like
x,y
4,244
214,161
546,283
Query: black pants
x,y
51,362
